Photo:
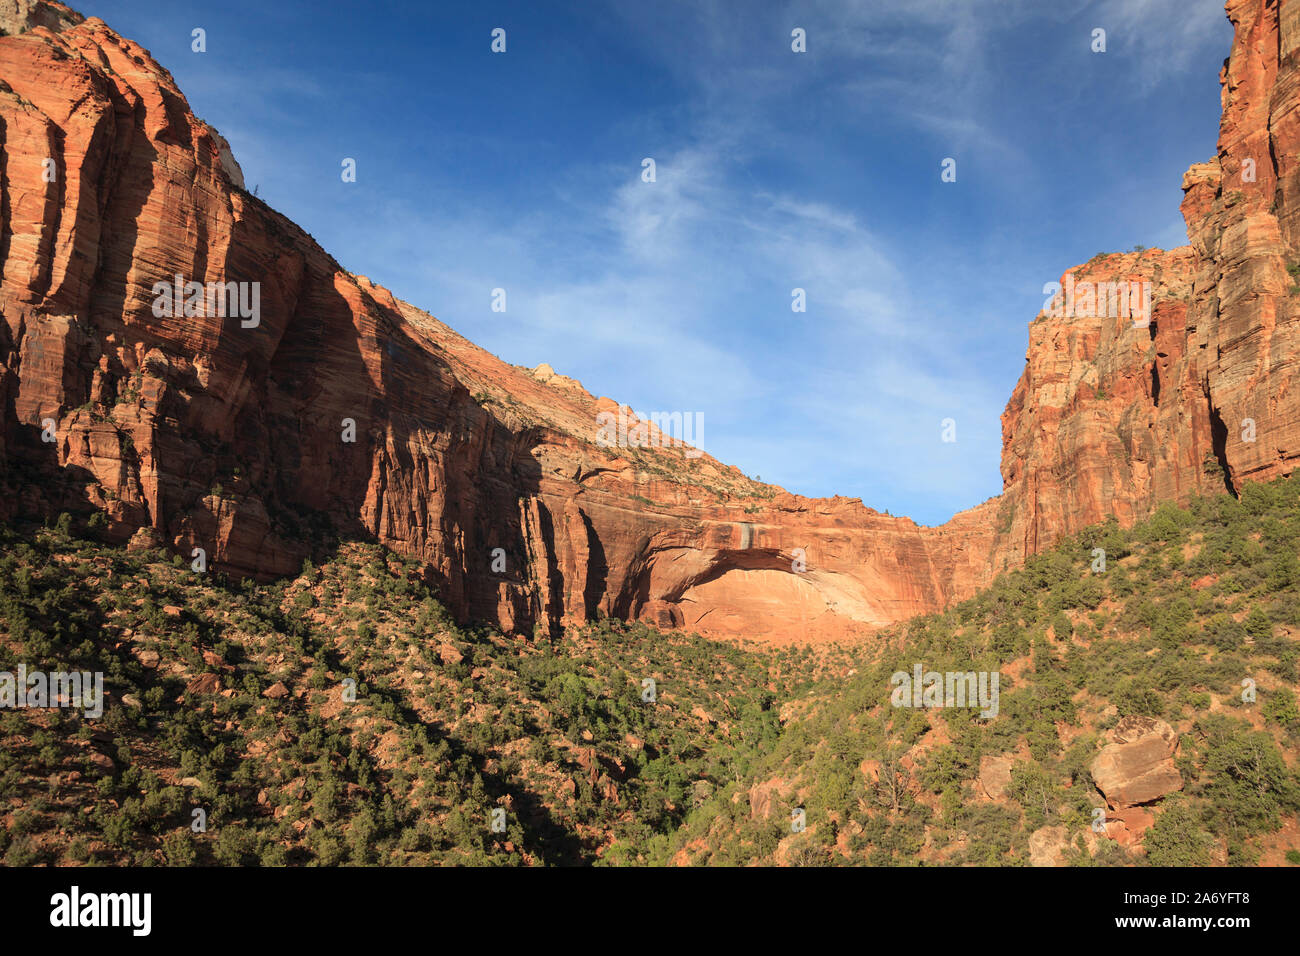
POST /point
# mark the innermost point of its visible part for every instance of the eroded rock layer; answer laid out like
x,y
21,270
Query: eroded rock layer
x,y
344,410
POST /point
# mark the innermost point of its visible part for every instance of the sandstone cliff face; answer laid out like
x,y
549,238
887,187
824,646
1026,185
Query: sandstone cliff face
x,y
1110,418
235,439
1242,216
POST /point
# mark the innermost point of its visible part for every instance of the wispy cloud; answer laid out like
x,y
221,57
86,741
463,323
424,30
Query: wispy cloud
x,y
1167,37
686,305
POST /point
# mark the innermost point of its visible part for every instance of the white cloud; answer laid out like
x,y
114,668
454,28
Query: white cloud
x,y
1169,37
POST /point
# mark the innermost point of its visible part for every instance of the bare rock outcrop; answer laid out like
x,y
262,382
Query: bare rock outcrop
x,y
1127,826
995,775
1137,766
1047,846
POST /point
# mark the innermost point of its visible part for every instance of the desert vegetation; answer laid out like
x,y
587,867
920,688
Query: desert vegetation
x,y
343,717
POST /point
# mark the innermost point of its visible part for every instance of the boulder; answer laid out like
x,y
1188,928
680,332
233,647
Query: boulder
x,y
1127,826
763,797
995,775
1137,766
204,684
1047,846
144,539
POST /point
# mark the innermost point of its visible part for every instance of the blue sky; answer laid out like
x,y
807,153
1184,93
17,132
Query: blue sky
x,y
775,170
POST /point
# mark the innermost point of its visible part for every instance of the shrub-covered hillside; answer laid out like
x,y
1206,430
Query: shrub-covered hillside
x,y
1193,610
342,717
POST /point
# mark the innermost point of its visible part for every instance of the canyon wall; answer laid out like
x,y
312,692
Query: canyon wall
x,y
1110,418
345,411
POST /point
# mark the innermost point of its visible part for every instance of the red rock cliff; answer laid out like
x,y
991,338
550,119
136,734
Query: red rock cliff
x,y
1110,418
232,439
